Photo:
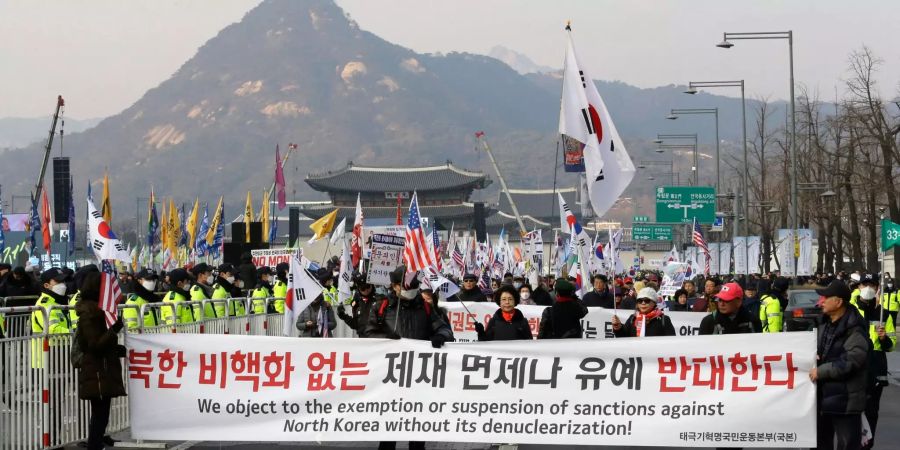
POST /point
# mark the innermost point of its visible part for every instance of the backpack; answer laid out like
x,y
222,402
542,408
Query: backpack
x,y
76,353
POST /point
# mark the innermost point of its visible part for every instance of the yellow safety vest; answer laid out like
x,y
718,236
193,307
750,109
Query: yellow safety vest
x,y
58,324
873,328
236,307
279,291
257,300
770,315
130,315
210,311
185,313
73,316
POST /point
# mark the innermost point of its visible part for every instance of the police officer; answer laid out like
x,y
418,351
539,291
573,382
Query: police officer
x,y
771,306
228,286
360,305
889,298
262,291
883,337
279,289
53,293
326,279
178,312
143,289
203,290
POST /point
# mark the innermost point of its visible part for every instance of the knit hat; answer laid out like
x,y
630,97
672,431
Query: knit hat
x,y
564,287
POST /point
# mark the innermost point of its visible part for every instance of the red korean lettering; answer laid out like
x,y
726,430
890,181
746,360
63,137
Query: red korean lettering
x,y
716,366
212,367
769,361
321,381
740,365
246,367
672,366
140,366
169,361
352,369
277,369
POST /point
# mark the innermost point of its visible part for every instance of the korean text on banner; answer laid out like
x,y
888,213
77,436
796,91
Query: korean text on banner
x,y
386,255
623,391
271,257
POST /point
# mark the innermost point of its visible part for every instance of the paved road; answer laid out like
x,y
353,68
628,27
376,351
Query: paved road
x,y
887,437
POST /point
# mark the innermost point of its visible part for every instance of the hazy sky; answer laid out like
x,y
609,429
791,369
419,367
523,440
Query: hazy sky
x,y
103,55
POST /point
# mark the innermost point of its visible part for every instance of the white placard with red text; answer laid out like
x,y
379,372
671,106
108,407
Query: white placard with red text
x,y
695,391
272,257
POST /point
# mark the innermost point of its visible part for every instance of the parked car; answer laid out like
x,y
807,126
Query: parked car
x,y
802,312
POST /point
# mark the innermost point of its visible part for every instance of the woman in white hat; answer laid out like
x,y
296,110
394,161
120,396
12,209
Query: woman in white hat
x,y
648,320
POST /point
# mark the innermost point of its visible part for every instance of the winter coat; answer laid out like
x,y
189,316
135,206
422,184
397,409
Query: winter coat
x,y
541,296
311,314
18,288
100,375
563,319
360,307
411,319
843,353
603,300
658,326
675,306
742,322
498,329
472,295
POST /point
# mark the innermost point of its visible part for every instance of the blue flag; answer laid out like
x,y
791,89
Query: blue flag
x,y
220,235
200,243
71,218
35,224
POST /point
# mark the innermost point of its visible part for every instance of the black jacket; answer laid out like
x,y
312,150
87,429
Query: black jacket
x,y
563,319
100,375
471,295
498,329
675,306
659,326
247,273
360,307
19,288
842,358
411,319
603,300
742,322
541,297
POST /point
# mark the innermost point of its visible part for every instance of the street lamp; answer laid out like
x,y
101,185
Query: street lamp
x,y
695,168
674,113
789,36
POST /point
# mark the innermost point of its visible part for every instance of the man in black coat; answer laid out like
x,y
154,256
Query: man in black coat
x,y
360,305
469,292
563,319
730,318
600,296
247,271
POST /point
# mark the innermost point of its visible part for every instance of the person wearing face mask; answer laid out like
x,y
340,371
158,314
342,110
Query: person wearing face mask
x,y
203,291
508,323
262,291
317,320
279,289
360,305
53,293
525,294
227,286
326,277
771,306
882,335
142,292
178,312
648,320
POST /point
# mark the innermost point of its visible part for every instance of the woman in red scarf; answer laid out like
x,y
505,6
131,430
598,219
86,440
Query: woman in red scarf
x,y
646,321
508,322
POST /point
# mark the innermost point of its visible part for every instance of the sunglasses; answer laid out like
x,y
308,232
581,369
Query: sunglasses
x,y
645,300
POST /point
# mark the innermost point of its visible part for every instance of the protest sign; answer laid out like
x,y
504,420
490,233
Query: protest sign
x,y
368,232
597,324
385,256
631,392
271,257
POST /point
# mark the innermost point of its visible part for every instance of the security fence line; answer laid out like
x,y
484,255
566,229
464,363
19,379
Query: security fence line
x,y
39,404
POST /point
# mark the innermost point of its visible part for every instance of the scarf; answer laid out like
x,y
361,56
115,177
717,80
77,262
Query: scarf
x,y
640,321
508,316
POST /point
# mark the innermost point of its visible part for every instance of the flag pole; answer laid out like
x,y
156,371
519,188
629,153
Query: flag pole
x,y
881,275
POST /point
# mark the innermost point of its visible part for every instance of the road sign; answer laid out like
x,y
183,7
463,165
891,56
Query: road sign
x,y
640,219
651,233
681,204
718,224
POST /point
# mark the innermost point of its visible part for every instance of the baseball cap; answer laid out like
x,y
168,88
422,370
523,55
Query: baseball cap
x,y
729,292
837,288
648,293
470,276
147,274
201,268
869,278
226,268
178,275
52,274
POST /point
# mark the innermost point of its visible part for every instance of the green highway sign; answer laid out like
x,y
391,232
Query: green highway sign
x,y
640,219
651,233
681,204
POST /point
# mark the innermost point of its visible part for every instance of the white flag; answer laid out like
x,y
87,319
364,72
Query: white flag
x,y
585,121
345,279
338,233
102,239
302,290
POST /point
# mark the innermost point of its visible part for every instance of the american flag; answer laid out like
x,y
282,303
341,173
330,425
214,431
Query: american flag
x,y
415,253
458,257
110,293
701,243
436,248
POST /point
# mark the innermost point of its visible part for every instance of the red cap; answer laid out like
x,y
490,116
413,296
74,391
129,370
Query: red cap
x,y
628,280
729,292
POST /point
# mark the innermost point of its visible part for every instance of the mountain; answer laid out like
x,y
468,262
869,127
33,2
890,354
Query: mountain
x,y
303,72
518,61
18,132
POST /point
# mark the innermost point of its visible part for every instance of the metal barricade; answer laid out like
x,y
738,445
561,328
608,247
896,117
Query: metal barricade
x,y
216,325
274,320
22,386
238,324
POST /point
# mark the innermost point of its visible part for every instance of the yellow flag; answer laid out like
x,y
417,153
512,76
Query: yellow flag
x,y
248,217
192,224
106,207
164,228
324,225
264,216
174,228
214,225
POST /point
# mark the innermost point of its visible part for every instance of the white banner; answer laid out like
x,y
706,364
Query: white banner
x,y
385,256
367,232
753,251
271,257
804,263
597,324
784,244
701,391
739,247
713,258
725,258
673,278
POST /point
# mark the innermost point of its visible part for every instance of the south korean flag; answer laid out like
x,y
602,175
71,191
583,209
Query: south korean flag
x,y
102,239
302,290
